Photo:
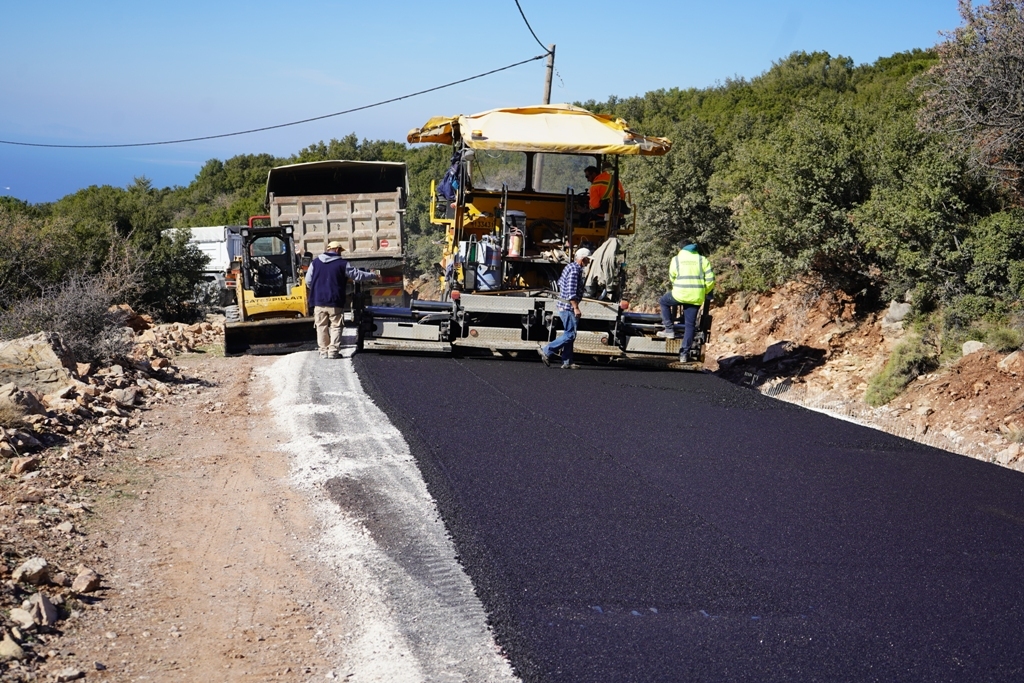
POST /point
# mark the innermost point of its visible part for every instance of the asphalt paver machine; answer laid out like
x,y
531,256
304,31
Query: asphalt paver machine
x,y
512,218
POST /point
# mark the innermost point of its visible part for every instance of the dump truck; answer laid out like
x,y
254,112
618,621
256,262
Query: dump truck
x,y
511,216
360,204
221,244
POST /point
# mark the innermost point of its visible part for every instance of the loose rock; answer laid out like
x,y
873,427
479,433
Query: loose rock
x,y
34,571
42,610
24,465
10,649
87,581
972,346
22,617
1008,455
1012,364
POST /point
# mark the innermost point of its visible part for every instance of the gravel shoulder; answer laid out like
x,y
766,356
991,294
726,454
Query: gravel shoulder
x,y
210,576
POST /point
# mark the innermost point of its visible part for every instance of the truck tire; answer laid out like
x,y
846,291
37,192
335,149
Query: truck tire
x,y
232,314
228,298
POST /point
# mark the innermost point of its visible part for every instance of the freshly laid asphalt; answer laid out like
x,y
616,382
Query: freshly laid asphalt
x,y
629,525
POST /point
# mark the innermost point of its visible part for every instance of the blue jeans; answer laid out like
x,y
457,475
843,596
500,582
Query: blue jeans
x,y
564,340
667,303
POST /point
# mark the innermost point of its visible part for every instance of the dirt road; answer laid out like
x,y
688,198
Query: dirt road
x,y
212,577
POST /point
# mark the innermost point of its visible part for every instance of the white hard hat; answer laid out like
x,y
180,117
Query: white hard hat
x,y
582,254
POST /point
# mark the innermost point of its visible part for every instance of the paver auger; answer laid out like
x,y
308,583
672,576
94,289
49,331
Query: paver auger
x,y
511,218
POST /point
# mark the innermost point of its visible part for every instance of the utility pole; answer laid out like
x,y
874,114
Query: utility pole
x,y
551,71
538,160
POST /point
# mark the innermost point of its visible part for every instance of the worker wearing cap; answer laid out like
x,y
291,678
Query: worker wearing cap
x,y
692,281
570,293
327,281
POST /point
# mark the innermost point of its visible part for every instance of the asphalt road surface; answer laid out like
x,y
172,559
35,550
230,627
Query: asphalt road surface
x,y
624,525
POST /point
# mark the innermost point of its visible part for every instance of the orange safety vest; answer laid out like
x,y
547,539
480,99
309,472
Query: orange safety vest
x,y
601,190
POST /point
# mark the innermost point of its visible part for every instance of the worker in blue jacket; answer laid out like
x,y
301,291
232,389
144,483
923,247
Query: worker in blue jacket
x,y
327,282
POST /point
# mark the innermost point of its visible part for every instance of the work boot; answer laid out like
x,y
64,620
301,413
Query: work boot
x,y
331,355
668,333
544,357
570,366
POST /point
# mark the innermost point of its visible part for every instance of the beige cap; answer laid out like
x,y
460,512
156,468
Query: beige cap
x,y
582,253
335,244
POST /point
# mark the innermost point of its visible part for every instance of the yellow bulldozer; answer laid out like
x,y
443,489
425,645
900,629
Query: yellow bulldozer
x,y
272,314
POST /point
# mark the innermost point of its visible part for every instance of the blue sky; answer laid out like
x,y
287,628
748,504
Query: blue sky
x,y
115,71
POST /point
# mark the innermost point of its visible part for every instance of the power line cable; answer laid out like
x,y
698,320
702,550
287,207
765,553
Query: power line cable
x,y
282,125
523,15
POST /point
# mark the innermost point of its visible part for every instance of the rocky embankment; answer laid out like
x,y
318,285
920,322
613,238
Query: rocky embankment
x,y
815,349
63,423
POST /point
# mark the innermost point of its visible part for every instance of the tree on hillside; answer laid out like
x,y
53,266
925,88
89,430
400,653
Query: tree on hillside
x,y
224,192
977,89
792,196
100,217
671,193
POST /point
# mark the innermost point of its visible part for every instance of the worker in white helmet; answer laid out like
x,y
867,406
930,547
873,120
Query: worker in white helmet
x,y
570,293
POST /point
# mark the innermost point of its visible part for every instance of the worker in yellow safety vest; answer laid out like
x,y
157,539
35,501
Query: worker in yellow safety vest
x,y
692,282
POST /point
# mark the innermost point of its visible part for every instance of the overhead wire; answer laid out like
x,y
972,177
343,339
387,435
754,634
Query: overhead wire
x,y
284,125
547,50
544,47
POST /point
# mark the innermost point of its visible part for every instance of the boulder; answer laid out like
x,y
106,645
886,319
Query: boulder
x,y
897,312
34,571
87,581
37,362
26,401
972,346
1012,364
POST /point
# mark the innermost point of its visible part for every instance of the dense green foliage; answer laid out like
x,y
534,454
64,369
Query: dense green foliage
x,y
819,170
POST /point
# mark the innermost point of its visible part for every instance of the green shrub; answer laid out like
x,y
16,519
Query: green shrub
x,y
1004,339
79,311
909,360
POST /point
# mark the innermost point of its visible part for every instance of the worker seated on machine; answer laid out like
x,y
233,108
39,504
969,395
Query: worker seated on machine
x,y
600,195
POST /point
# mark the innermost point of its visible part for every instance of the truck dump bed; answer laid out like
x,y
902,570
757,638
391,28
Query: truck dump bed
x,y
358,203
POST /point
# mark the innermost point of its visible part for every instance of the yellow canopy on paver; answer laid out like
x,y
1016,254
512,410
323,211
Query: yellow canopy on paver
x,y
560,128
